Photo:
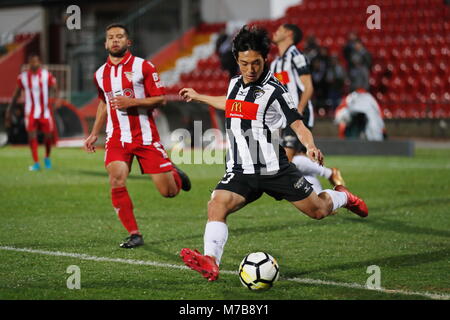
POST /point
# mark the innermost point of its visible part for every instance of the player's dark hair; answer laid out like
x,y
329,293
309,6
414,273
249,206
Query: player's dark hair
x,y
297,32
118,25
251,38
32,55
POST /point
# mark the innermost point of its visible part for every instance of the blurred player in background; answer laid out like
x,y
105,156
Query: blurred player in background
x,y
256,107
292,69
129,89
38,85
359,116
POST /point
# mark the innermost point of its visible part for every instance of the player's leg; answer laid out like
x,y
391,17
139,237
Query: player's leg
x,y
222,203
118,161
34,145
31,128
310,168
47,127
290,153
48,140
318,206
166,184
317,186
168,178
232,193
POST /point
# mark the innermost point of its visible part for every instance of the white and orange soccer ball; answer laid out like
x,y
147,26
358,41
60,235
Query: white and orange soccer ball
x,y
259,271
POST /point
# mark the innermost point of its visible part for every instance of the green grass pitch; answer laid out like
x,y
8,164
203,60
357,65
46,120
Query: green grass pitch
x,y
68,210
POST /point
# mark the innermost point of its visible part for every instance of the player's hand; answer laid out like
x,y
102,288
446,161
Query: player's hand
x,y
188,94
315,155
89,143
122,102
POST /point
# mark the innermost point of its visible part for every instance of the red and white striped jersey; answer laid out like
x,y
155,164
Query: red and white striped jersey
x,y
36,87
133,77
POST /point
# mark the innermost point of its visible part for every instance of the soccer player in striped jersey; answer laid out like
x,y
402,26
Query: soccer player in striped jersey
x,y
38,85
292,69
129,89
256,107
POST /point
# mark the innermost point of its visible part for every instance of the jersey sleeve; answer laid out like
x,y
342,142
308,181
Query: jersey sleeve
x,y
19,82
288,107
301,64
51,80
100,92
152,83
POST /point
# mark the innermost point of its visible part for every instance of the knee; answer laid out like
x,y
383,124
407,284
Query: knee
x,y
217,211
117,181
168,193
318,214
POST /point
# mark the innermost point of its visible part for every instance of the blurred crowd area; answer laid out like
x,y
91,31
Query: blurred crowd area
x,y
332,79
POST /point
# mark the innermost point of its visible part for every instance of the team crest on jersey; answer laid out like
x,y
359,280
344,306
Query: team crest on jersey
x,y
129,75
258,93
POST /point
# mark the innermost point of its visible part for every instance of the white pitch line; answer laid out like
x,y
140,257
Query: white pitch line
x,y
435,296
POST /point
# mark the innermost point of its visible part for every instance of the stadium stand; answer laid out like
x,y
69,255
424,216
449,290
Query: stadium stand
x,y
410,74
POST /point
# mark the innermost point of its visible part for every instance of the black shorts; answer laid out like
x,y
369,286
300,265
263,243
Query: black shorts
x,y
289,137
287,184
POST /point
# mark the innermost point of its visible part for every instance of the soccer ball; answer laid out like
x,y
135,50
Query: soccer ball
x,y
258,271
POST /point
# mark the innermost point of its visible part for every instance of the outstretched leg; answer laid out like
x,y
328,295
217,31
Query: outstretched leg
x,y
222,203
318,206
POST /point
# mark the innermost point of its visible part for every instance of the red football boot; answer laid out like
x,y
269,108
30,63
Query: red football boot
x,y
205,265
354,203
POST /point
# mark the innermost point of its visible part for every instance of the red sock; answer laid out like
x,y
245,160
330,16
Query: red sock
x,y
124,208
34,149
177,178
48,147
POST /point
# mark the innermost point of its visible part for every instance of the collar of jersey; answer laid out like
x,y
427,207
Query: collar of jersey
x,y
125,60
261,80
287,50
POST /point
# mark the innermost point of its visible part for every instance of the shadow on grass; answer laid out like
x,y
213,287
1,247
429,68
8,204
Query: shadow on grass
x,y
104,174
401,227
404,260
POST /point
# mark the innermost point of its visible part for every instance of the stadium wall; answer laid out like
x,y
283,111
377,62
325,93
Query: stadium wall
x,y
396,128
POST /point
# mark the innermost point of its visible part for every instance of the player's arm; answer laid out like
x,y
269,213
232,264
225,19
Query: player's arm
x,y
11,106
189,94
154,91
306,138
307,93
121,102
54,91
100,120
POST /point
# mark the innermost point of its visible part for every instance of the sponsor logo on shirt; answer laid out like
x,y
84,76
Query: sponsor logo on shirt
x,y
282,76
241,109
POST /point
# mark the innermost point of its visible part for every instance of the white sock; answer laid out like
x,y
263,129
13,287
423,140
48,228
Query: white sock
x,y
310,168
317,187
216,235
339,198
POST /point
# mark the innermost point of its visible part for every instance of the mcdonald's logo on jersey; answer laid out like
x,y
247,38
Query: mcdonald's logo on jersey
x,y
282,76
241,109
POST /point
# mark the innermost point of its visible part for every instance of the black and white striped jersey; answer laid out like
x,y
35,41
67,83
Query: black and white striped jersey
x,y
254,113
288,69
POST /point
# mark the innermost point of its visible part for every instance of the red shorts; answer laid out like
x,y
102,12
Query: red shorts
x,y
152,158
41,124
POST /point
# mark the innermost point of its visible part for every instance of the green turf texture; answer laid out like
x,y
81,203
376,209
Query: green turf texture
x,y
68,209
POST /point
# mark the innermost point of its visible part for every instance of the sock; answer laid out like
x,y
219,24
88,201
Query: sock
x,y
317,186
339,198
177,178
34,149
48,147
216,235
310,168
124,208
